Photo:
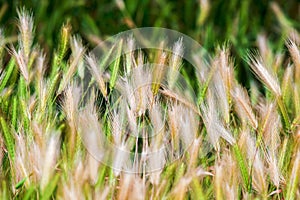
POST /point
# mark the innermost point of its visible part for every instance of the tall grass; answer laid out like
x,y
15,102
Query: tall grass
x,y
46,123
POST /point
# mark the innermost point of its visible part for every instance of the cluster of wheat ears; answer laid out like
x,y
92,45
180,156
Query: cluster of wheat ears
x,y
222,142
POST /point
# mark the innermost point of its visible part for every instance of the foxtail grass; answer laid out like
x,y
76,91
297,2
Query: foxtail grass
x,y
226,142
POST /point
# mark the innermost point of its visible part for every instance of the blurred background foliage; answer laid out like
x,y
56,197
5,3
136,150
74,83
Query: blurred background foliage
x,y
211,23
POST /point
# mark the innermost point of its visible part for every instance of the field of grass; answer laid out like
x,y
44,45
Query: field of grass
x,y
227,128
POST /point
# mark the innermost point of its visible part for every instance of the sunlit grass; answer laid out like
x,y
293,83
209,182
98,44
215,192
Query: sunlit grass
x,y
245,142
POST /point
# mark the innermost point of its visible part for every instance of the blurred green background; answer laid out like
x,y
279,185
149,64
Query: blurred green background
x,y
211,23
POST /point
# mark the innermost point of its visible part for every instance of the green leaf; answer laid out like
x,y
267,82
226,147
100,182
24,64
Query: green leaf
x,y
9,140
243,167
8,74
14,113
29,192
116,65
20,183
48,191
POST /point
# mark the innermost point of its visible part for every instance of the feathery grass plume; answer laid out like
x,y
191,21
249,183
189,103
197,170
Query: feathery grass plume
x,y
50,156
226,181
243,106
179,190
157,161
138,191
22,63
36,159
258,172
121,157
40,69
126,185
226,70
131,187
158,71
254,93
132,121
102,194
222,103
23,168
40,66
269,125
177,51
92,167
140,60
194,153
157,117
213,124
178,97
264,74
97,72
295,54
43,97
72,187
70,107
264,48
278,62
83,169
294,36
117,125
25,38
271,81
286,84
273,154
76,58
188,126
174,125
242,160
26,29
150,124
274,60
70,191
77,49
182,125
273,168
270,130
202,69
175,62
141,83
136,88
218,182
220,92
90,128
125,87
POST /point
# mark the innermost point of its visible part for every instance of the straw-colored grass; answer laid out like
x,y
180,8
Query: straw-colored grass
x,y
240,144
